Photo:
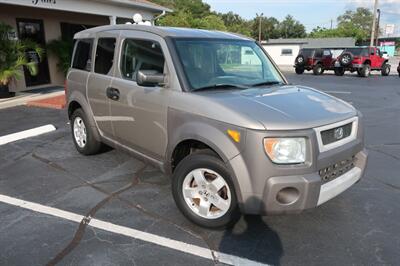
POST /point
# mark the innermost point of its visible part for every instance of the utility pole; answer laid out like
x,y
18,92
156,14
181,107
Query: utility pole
x,y
259,25
331,24
374,24
378,27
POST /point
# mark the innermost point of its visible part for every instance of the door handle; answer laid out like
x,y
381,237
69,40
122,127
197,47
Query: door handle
x,y
113,93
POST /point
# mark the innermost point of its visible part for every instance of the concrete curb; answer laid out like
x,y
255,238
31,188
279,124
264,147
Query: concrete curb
x,y
23,99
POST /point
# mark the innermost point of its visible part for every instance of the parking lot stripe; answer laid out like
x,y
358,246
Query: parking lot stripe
x,y
338,92
133,233
26,134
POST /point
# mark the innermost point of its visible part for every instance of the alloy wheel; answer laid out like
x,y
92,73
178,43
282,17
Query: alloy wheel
x,y
206,193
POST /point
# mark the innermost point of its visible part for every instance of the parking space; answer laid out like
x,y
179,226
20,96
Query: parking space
x,y
144,227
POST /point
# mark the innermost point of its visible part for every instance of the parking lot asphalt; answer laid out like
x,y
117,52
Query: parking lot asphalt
x,y
359,227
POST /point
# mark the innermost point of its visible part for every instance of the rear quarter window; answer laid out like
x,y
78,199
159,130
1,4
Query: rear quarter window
x,y
83,55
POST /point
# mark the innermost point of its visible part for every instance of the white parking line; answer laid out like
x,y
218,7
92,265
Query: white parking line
x,y
26,134
133,233
338,92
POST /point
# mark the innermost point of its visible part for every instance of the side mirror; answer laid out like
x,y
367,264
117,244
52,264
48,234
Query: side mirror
x,y
148,78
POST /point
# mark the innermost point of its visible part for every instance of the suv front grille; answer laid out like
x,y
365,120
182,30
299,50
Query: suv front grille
x,y
335,134
333,171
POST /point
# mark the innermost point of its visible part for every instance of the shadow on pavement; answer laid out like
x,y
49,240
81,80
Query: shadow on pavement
x,y
253,239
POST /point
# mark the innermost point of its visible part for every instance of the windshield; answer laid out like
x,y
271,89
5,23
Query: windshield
x,y
358,51
307,52
212,63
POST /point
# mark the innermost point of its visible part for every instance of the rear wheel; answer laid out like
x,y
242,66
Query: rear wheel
x,y
318,69
385,70
204,192
299,70
339,71
83,134
365,71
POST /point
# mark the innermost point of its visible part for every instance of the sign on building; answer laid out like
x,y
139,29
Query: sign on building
x,y
389,29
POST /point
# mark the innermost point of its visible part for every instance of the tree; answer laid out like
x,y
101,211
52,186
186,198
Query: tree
x,y
356,24
235,23
291,28
269,28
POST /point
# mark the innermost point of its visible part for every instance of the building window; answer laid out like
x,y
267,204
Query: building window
x,y
287,52
141,55
104,55
83,55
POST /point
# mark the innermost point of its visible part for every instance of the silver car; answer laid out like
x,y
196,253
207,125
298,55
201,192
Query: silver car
x,y
212,110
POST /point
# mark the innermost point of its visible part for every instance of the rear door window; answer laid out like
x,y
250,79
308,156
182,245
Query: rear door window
x,y
141,55
83,55
104,55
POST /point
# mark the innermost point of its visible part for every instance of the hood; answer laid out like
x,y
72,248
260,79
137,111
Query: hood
x,y
285,107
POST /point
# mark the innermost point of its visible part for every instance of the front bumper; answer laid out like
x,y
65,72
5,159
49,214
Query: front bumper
x,y
267,188
293,194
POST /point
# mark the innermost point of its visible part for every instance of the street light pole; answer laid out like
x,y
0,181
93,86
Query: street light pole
x,y
259,25
377,27
374,24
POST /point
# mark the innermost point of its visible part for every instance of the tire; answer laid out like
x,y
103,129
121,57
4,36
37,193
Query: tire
x,y
207,168
346,59
365,71
318,69
83,134
300,60
299,70
339,71
385,70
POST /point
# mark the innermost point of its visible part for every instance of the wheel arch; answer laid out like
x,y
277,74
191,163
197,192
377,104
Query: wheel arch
x,y
75,101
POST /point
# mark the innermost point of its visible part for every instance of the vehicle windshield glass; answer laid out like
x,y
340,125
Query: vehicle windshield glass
x,y
212,62
358,51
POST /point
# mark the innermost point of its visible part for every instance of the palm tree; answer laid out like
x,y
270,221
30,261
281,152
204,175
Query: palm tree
x,y
14,56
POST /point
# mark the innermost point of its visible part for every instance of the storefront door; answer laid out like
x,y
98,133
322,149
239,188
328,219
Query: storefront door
x,y
33,30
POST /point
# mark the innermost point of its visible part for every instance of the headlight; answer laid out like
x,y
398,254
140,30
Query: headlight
x,y
286,150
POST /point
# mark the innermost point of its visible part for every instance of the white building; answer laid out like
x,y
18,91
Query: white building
x,y
285,51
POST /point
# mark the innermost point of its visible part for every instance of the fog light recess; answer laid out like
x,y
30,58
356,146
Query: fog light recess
x,y
288,195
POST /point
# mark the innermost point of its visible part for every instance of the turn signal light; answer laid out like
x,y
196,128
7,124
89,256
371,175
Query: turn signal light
x,y
235,135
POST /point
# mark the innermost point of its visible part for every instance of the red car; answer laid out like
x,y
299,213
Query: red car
x,y
316,59
363,60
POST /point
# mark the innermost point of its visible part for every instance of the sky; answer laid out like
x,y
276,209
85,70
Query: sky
x,y
311,13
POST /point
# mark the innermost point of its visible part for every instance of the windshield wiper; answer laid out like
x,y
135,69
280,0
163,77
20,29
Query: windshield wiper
x,y
266,83
221,86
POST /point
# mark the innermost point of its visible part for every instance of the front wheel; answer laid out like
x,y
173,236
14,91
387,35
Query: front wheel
x,y
385,70
204,192
339,71
318,69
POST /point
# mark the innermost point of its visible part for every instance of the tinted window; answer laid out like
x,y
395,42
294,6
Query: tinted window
x,y
83,55
104,55
307,52
141,55
287,51
358,51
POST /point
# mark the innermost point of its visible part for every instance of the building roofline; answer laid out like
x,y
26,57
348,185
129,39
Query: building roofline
x,y
143,4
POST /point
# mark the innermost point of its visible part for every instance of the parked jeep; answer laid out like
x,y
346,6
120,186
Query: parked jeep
x,y
398,69
213,111
363,60
317,60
